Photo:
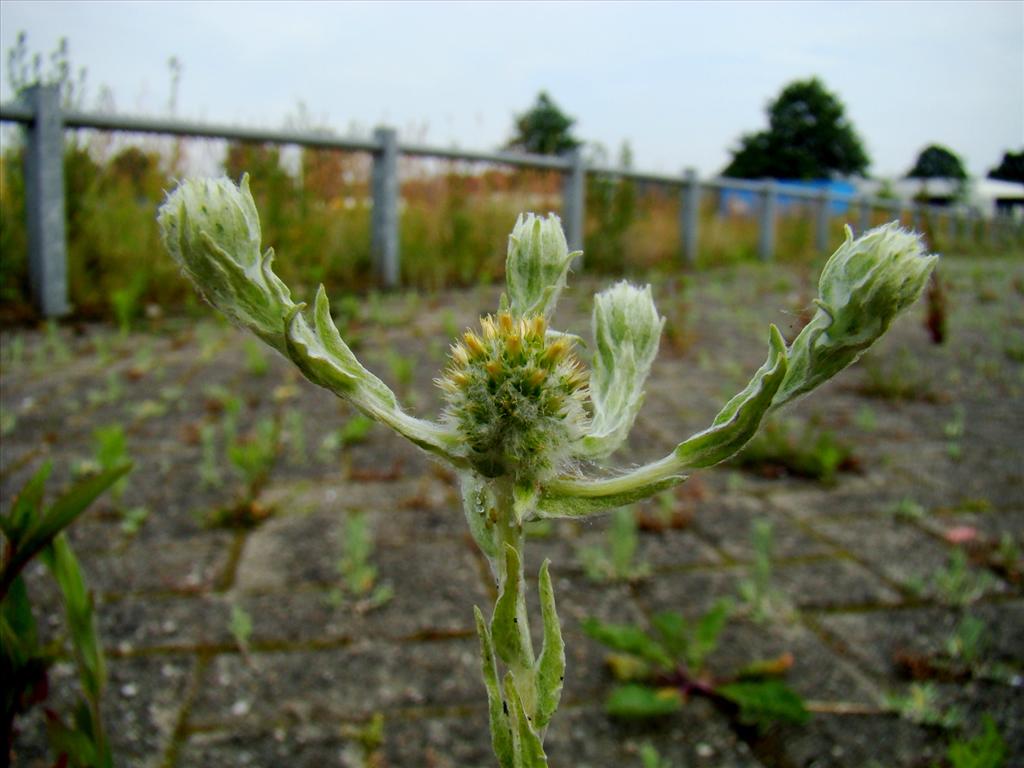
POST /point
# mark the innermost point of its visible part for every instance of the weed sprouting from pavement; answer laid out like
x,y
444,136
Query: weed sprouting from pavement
x,y
524,417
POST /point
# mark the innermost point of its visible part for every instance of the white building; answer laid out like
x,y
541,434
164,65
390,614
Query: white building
x,y
986,196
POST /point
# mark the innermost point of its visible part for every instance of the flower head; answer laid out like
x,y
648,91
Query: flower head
x,y
537,264
866,283
516,395
212,229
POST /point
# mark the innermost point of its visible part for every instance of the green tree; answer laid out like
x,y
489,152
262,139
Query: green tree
x,y
1011,168
937,162
808,137
544,129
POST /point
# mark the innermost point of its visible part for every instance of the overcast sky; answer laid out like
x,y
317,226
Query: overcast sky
x,y
680,81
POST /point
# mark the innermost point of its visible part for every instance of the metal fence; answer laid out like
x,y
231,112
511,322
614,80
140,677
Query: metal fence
x,y
39,110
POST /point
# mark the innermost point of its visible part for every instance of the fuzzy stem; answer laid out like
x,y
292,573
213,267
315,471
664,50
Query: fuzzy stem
x,y
510,532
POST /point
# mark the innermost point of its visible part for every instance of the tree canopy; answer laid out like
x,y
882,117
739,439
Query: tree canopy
x,y
1011,168
808,137
937,162
544,129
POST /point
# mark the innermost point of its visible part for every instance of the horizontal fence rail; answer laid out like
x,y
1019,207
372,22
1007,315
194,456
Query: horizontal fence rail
x,y
39,111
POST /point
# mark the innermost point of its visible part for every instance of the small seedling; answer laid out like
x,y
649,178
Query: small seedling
x,y
958,583
760,598
650,758
899,379
132,520
353,432
112,393
55,346
252,456
780,450
906,509
209,465
403,369
149,409
240,626
256,363
616,563
124,302
920,704
658,671
866,419
357,571
369,738
954,431
986,750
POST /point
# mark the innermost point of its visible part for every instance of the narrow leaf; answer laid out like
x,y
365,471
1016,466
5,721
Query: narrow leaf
x,y
526,743
501,730
739,419
551,664
56,518
26,506
78,608
508,624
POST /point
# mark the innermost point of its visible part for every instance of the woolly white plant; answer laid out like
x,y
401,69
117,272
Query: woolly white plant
x,y
523,414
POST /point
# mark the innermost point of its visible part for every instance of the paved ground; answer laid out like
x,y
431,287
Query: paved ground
x,y
864,561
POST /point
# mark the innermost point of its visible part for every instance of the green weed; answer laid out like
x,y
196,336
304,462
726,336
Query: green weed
x,y
32,531
781,448
657,671
358,573
616,562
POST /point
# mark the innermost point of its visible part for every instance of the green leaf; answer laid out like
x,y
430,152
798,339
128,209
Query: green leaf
x,y
326,360
19,624
526,744
707,631
740,418
26,506
78,607
627,330
570,497
551,663
501,730
673,630
45,527
73,741
508,624
640,701
732,428
627,639
764,702
986,750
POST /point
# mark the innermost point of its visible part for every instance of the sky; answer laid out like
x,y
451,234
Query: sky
x,y
681,82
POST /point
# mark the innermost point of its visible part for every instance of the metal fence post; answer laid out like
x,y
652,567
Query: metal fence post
x,y
821,228
766,227
44,202
384,223
865,215
689,216
574,185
